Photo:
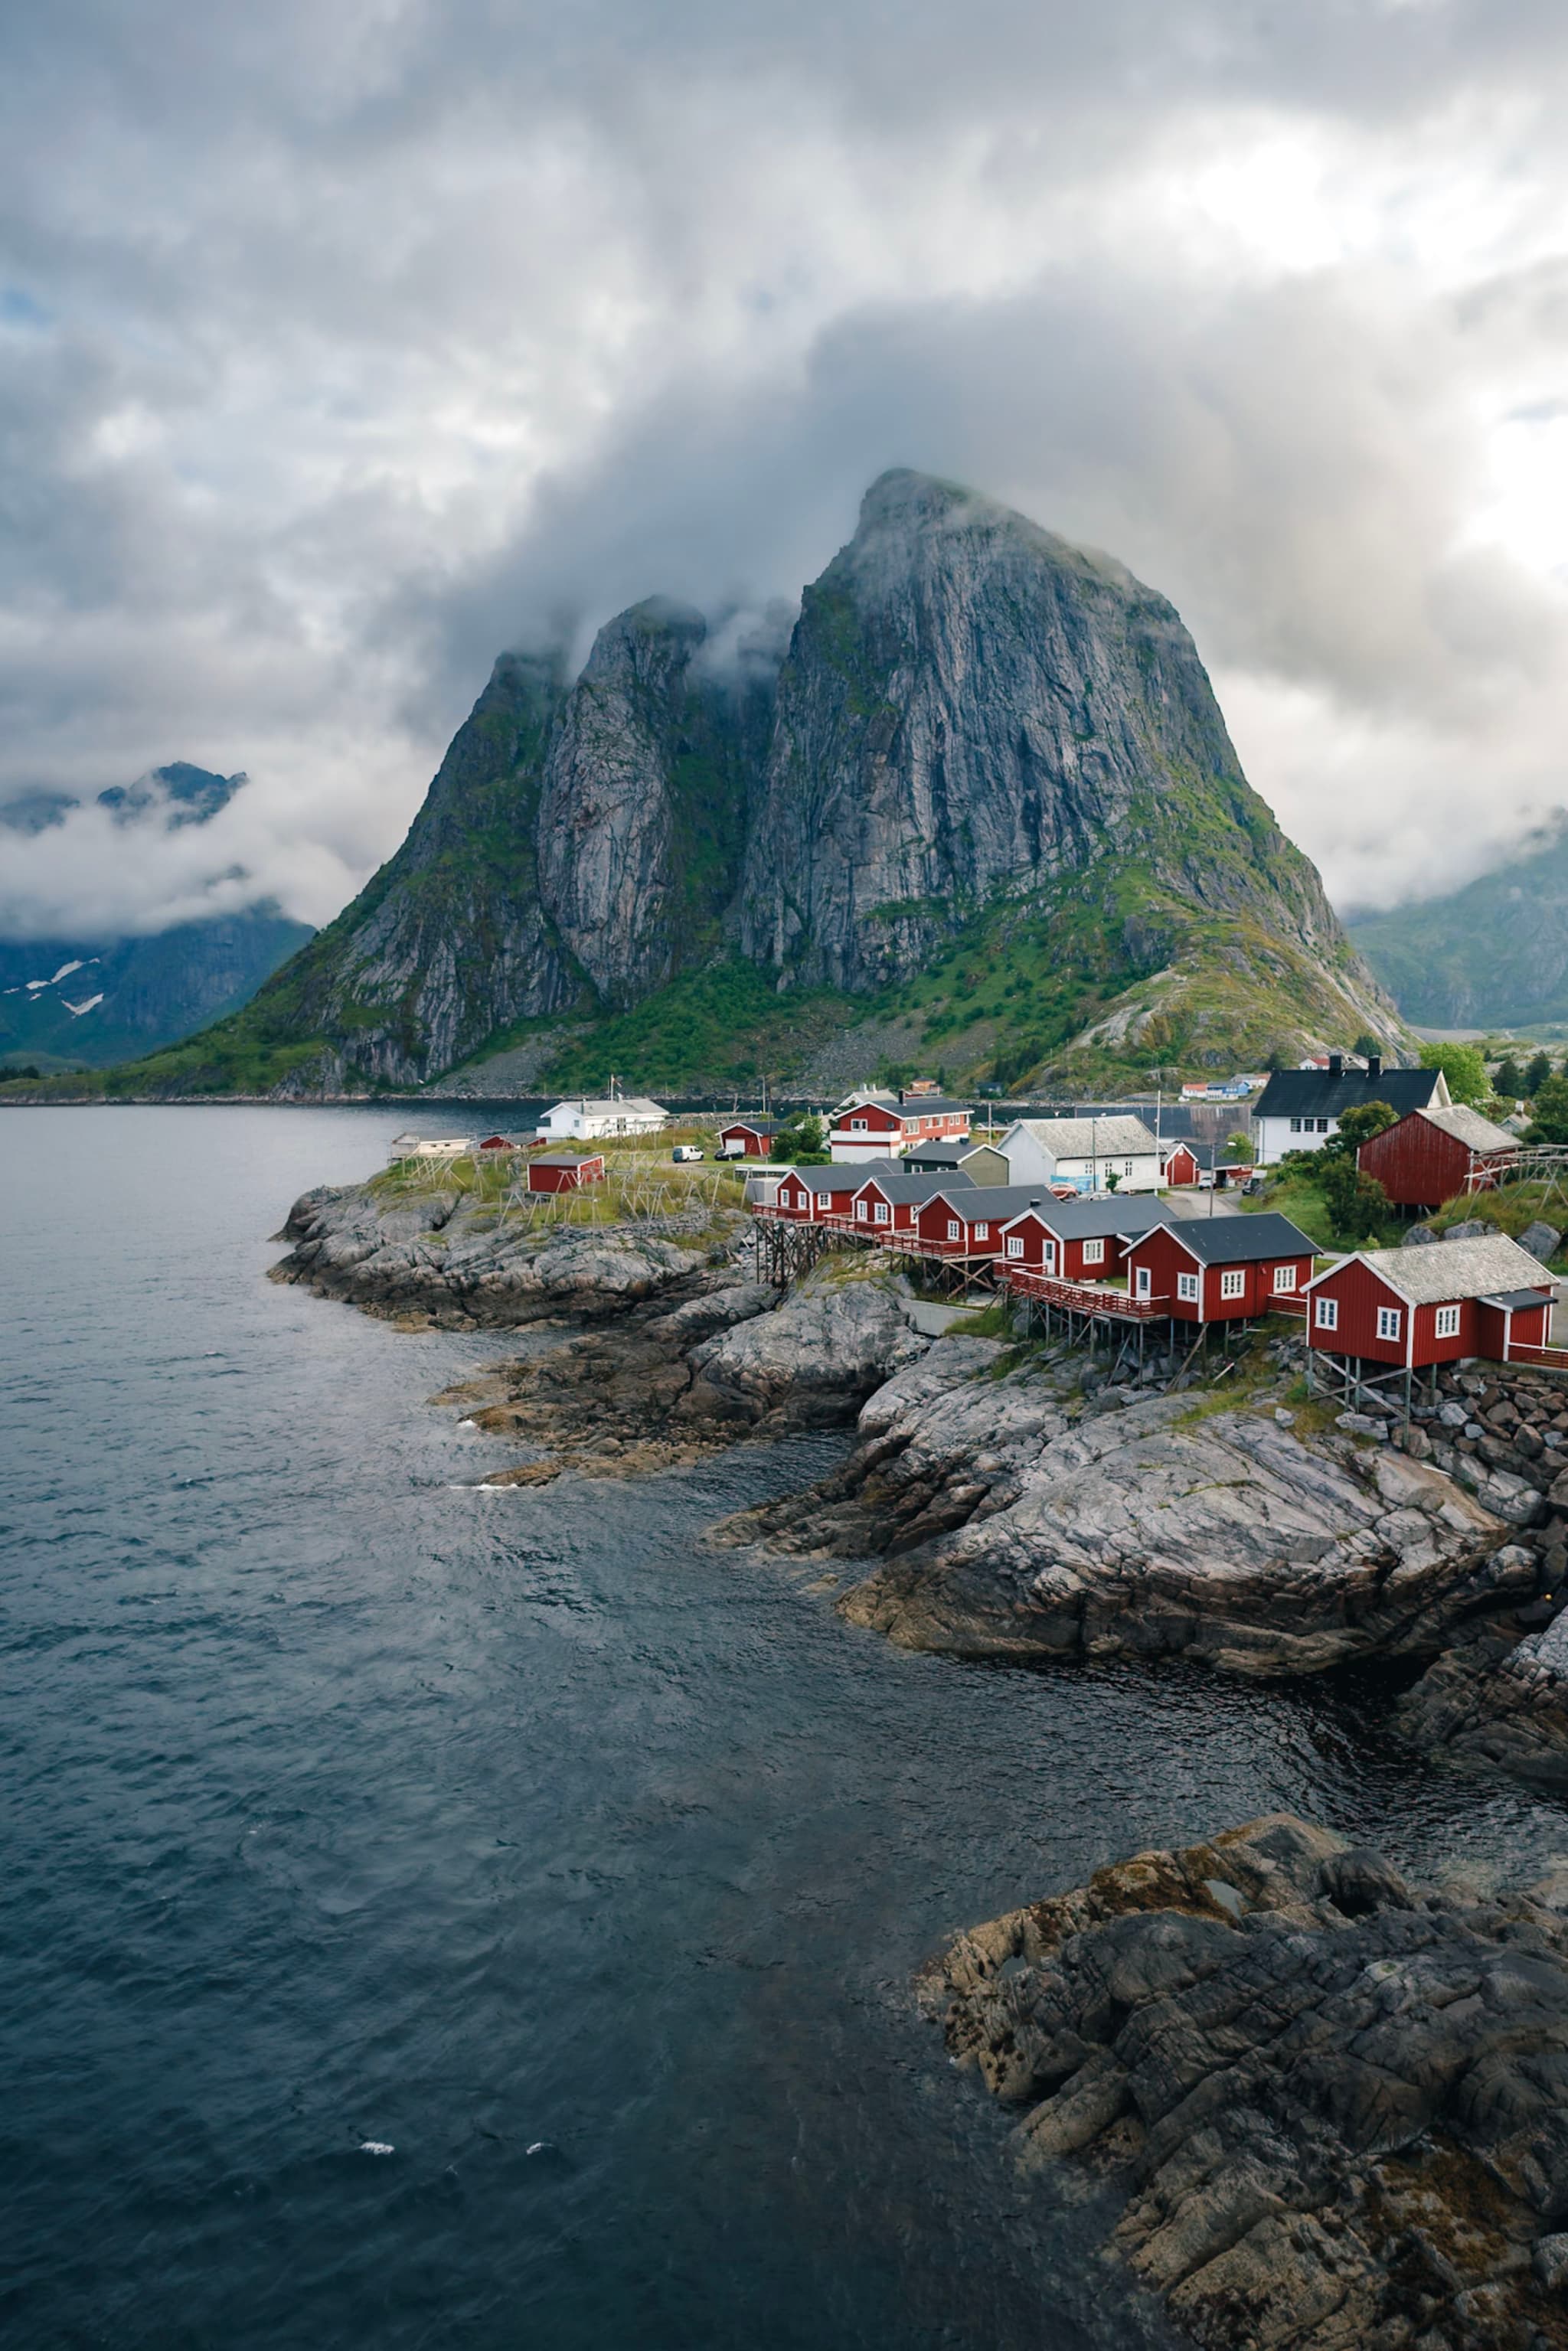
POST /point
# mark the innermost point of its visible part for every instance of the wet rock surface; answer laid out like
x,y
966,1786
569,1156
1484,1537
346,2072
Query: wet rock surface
x,y
661,1386
1327,2109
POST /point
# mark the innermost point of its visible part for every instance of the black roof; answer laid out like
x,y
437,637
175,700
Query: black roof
x,y
934,1155
1088,1220
1319,1093
752,1125
1517,1298
1239,1240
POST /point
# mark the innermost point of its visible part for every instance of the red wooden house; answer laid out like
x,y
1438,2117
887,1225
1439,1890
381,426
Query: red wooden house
x,y
883,1126
1079,1240
1181,1169
1431,1155
889,1202
747,1138
1414,1307
810,1193
970,1220
565,1171
1220,1268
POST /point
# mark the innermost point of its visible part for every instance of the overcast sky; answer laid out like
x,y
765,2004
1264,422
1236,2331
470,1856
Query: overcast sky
x,y
342,346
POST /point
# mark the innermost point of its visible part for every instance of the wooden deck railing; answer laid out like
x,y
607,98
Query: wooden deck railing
x,y
1083,1297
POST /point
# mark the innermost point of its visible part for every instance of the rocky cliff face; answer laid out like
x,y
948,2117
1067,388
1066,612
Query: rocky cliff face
x,y
974,723
972,708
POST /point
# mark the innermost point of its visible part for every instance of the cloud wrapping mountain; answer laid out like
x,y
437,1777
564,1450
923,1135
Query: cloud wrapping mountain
x,y
335,351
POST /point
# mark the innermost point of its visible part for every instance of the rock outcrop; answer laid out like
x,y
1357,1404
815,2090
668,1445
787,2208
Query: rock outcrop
x,y
446,1259
1018,1517
976,725
662,1386
1330,2110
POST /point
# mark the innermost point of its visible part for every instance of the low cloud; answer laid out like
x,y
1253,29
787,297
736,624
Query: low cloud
x,y
337,355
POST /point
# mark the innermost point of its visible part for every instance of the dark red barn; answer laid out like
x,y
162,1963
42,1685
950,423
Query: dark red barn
x,y
747,1138
1432,1304
1432,1155
1181,1169
1221,1268
565,1171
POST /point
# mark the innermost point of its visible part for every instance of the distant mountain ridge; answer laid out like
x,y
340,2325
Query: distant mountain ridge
x,y
984,807
99,1001
1493,955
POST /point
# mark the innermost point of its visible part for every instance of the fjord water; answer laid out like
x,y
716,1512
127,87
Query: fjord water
x,y
580,1865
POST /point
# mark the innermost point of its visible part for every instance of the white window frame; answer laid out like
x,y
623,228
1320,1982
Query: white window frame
x,y
883,1213
857,1126
1015,1245
862,1211
1284,1276
1391,1324
1142,1282
1295,1126
1186,1289
1448,1323
982,1232
1327,1315
1093,1252
955,1229
1233,1282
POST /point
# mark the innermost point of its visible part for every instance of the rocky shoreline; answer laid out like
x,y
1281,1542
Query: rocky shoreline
x,y
1007,1502
1328,2110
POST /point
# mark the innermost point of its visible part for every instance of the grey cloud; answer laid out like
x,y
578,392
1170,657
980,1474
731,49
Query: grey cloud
x,y
341,347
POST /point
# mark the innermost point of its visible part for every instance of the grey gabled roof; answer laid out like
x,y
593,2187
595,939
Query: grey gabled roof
x,y
906,1187
1242,1240
1088,1220
1486,1265
1467,1126
850,1175
1089,1138
1319,1093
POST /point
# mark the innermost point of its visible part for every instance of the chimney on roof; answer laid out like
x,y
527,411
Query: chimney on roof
x,y
1374,1065
1336,1065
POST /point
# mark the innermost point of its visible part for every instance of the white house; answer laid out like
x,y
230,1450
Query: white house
x,y
1299,1110
585,1118
1084,1151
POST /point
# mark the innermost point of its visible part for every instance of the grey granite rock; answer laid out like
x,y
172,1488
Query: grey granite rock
x,y
1540,1239
1326,2111
1011,1522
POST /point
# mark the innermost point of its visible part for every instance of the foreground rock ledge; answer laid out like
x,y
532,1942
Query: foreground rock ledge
x,y
1019,1518
1334,2108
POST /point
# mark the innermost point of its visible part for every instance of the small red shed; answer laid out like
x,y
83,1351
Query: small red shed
x,y
747,1138
565,1171
1433,1303
1221,1268
1181,1170
1432,1155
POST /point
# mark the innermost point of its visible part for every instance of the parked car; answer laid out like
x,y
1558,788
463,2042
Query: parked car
x,y
685,1151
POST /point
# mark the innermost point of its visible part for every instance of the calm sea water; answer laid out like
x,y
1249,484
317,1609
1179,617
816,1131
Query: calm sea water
x,y
582,1866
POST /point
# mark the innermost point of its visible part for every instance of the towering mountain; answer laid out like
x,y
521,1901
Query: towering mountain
x,y
1494,953
989,789
97,1000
